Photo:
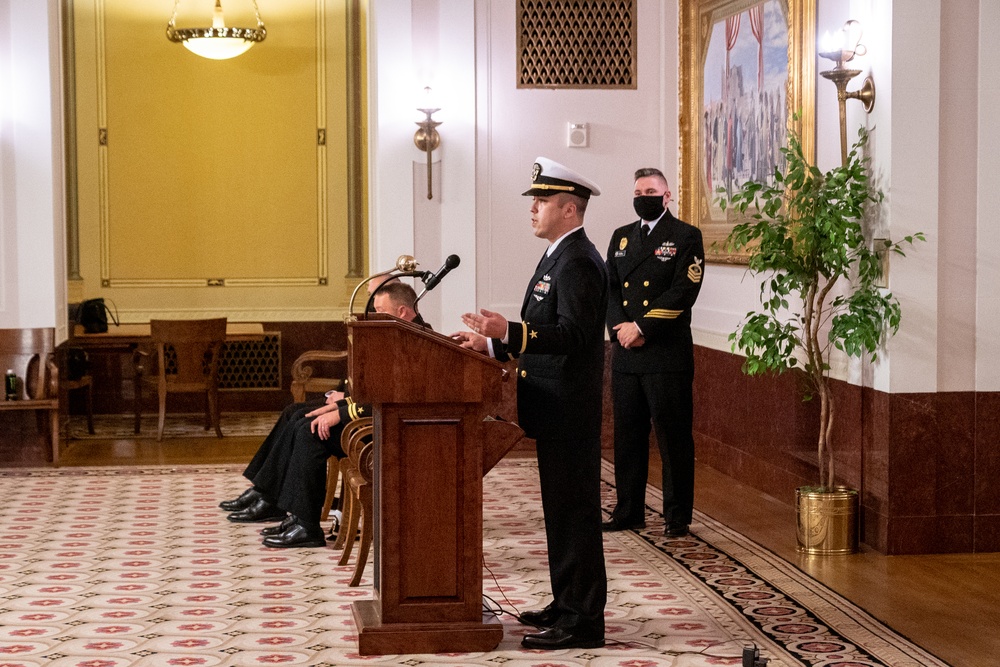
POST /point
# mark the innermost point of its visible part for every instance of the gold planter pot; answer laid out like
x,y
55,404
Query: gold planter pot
x,y
827,521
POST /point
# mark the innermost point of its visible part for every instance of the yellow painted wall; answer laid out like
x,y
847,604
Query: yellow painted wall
x,y
212,192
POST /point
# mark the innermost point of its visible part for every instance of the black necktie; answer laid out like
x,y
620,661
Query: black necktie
x,y
645,232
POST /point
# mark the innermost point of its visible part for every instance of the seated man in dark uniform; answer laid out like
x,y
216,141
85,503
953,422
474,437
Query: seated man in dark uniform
x,y
288,472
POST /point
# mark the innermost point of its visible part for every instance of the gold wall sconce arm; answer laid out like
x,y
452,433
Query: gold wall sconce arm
x,y
427,139
840,76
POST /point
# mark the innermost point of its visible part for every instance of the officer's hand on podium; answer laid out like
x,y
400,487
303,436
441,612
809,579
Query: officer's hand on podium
x,y
470,341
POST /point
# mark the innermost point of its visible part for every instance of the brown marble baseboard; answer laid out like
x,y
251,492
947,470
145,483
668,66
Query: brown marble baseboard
x,y
924,463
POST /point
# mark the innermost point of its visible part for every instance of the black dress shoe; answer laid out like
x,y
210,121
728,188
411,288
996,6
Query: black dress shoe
x,y
541,618
674,529
298,535
261,510
614,525
554,639
246,499
278,528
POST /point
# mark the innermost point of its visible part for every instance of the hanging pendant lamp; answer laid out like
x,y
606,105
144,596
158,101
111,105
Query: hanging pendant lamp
x,y
218,42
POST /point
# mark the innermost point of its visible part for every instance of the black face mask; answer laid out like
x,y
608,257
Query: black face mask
x,y
648,207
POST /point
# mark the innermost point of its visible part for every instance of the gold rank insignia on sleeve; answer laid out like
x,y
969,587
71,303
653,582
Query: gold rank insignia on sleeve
x,y
663,314
534,334
695,270
624,242
524,337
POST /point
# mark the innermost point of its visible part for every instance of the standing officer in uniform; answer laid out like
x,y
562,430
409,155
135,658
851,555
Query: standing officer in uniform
x,y
560,347
655,267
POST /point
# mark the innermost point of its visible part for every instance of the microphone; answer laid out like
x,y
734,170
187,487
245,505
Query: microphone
x,y
431,280
449,264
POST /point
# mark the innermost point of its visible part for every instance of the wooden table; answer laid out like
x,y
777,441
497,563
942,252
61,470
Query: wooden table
x,y
126,335
128,338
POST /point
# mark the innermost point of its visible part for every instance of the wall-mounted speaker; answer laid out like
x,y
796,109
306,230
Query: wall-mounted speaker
x,y
577,135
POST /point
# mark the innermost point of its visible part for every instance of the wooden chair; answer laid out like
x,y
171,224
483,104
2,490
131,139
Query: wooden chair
x,y
30,354
304,383
84,381
357,471
335,468
187,354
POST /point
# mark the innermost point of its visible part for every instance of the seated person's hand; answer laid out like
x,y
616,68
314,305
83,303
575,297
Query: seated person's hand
x,y
470,341
321,425
322,410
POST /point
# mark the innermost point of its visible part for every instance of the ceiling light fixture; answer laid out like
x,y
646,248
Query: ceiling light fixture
x,y
218,42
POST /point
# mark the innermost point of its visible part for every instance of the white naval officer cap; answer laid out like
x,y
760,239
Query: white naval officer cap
x,y
550,178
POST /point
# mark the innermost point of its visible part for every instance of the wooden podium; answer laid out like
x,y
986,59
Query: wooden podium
x,y
432,448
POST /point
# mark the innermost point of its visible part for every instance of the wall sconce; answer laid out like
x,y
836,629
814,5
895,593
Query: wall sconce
x,y
218,42
849,46
427,139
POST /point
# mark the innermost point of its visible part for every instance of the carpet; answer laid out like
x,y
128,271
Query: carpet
x,y
97,570
117,427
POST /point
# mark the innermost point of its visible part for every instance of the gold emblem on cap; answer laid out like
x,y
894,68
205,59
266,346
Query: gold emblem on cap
x,y
535,171
624,242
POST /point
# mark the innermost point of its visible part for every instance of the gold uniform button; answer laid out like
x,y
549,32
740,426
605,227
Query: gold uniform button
x,y
524,374
646,284
626,284
625,303
645,303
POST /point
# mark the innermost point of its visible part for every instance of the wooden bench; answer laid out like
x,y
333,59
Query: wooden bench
x,y
30,354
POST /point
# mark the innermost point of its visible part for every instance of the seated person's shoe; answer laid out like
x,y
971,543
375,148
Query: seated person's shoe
x,y
541,618
261,510
554,639
278,528
614,525
245,500
298,535
676,529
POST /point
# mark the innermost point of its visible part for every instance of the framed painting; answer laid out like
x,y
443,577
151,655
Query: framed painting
x,y
747,70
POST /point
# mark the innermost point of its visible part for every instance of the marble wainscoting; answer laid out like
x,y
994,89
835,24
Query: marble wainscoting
x,y
926,464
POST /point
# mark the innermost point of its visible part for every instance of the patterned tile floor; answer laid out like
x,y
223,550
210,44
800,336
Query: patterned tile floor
x,y
108,567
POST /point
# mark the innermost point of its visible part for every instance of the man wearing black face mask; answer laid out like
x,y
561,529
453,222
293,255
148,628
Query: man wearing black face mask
x,y
655,268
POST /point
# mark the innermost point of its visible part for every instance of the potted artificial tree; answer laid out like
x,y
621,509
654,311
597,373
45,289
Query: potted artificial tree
x,y
820,290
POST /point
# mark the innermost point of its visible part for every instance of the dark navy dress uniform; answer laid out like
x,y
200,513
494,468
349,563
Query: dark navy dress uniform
x,y
559,345
654,283
289,468
560,350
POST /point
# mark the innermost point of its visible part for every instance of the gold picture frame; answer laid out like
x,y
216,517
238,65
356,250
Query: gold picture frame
x,y
734,137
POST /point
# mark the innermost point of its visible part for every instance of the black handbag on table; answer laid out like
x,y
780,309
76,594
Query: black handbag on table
x,y
93,315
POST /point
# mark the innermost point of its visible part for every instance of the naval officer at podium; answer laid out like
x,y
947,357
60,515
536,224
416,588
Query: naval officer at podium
x,y
559,344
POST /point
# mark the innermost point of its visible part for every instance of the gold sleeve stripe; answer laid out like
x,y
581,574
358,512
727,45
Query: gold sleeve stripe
x,y
352,411
524,335
664,314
